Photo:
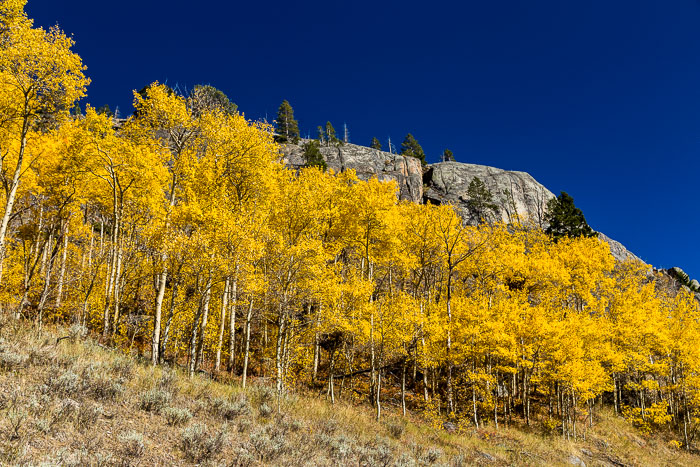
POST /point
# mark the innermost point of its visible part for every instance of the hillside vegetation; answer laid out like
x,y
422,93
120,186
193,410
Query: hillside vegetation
x,y
74,402
179,235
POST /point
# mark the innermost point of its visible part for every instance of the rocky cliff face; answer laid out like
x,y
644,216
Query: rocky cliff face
x,y
517,195
367,163
617,249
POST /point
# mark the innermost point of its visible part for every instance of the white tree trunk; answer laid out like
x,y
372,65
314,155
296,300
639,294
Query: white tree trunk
x,y
155,340
62,271
203,331
11,195
232,326
222,324
246,355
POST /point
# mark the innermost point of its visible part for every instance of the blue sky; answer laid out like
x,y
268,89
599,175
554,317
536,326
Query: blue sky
x,y
600,98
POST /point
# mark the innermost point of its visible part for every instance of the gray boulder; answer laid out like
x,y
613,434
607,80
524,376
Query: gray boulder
x,y
679,274
449,427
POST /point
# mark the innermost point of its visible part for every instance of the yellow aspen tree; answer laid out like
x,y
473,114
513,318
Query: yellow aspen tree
x,y
40,77
163,120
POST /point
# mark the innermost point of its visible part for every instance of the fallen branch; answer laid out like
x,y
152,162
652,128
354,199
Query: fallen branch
x,y
61,338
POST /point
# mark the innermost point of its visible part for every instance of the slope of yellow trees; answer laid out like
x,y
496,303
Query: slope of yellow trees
x,y
180,233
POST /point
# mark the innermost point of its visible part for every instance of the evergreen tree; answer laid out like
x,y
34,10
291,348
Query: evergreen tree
x,y
330,134
411,148
312,155
480,199
375,144
208,98
105,110
565,219
287,127
447,156
321,134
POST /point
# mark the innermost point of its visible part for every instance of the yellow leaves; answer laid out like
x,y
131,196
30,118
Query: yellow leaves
x,y
163,110
648,420
38,68
12,11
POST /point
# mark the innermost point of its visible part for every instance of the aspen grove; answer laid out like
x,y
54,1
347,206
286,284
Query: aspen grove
x,y
180,234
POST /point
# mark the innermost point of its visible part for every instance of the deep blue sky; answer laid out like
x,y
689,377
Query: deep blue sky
x,y
598,98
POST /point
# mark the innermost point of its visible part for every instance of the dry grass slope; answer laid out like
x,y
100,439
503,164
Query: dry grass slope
x,y
73,402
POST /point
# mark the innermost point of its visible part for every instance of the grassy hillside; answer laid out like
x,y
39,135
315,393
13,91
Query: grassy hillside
x,y
67,400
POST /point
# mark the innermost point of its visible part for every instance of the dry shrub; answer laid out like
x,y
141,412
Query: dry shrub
x,y
431,456
10,360
132,444
87,416
66,385
154,400
199,445
396,428
100,384
230,409
122,367
176,416
376,452
268,443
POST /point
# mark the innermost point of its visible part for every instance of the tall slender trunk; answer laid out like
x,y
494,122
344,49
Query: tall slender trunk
x,y
373,364
118,286
403,388
47,282
162,283
222,324
110,279
203,330
193,341
246,354
155,340
93,278
44,255
285,366
317,346
425,371
168,323
282,329
11,195
62,271
232,324
30,269
476,419
378,401
331,376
